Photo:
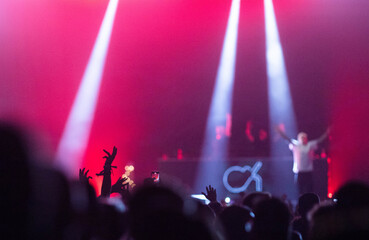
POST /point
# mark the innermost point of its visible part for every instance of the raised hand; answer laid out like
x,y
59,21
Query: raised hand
x,y
211,194
119,187
110,157
281,129
106,184
109,160
324,135
83,177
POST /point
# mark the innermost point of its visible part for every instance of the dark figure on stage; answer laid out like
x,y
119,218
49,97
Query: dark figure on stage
x,y
303,157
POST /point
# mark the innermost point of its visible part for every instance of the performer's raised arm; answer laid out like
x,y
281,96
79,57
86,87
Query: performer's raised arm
x,y
324,135
283,135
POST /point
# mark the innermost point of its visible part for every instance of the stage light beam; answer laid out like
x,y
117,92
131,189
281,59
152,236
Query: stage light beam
x,y
75,137
220,109
218,130
280,101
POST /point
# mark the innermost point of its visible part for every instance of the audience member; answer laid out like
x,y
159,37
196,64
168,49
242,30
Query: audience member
x,y
306,202
211,195
253,199
37,202
347,218
15,182
235,220
156,212
272,220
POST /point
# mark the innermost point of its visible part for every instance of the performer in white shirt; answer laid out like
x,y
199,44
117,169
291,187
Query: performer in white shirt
x,y
303,157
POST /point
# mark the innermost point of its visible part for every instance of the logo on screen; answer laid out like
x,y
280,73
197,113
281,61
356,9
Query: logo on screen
x,y
254,177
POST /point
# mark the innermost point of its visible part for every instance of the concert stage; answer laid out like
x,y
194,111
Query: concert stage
x,y
244,175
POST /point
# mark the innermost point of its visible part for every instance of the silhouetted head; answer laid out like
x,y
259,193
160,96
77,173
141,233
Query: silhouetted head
x,y
157,212
306,202
50,207
272,219
348,218
235,220
14,180
252,199
352,194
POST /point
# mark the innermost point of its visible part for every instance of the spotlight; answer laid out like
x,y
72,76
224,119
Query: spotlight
x,y
218,126
75,137
280,101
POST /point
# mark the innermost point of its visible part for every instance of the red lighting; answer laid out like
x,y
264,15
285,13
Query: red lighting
x,y
263,135
228,127
323,154
220,130
330,195
329,176
179,154
248,131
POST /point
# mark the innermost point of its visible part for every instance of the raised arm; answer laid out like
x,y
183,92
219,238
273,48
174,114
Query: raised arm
x,y
106,173
283,135
120,186
211,194
83,177
324,135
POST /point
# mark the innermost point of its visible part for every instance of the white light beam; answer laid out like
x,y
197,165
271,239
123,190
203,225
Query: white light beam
x,y
222,95
75,137
280,100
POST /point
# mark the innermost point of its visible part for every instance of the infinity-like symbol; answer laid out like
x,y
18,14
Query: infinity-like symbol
x,y
253,177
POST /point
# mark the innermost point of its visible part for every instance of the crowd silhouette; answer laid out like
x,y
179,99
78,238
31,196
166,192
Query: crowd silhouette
x,y
38,202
